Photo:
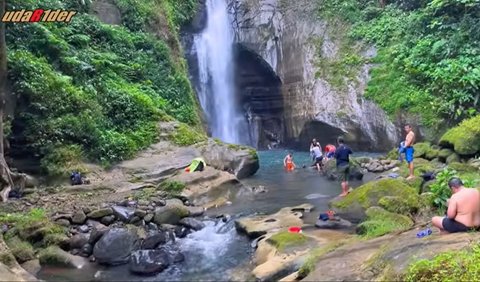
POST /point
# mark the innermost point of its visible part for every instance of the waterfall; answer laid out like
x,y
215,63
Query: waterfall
x,y
214,48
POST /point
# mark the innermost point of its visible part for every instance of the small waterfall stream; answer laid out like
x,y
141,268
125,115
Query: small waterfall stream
x,y
214,48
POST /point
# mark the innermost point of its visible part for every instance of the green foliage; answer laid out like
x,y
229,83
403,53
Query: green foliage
x,y
23,220
380,222
449,266
99,88
172,186
61,161
284,239
428,54
185,136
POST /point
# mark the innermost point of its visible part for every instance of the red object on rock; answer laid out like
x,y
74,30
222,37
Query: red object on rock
x,y
295,229
187,169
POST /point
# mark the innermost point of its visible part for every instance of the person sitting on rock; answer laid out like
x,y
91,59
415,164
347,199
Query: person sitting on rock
x,y
330,151
463,213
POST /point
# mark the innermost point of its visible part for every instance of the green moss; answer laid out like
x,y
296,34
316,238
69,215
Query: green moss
x,y
420,166
444,153
432,153
393,154
7,258
380,222
285,239
53,255
453,158
369,194
21,250
185,136
464,138
172,186
395,204
461,167
253,154
145,194
448,266
420,149
63,160
56,239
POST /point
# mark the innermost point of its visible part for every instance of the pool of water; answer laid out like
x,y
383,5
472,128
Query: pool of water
x,y
217,252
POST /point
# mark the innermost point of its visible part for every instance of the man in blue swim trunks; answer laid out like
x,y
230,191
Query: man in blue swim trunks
x,y
409,141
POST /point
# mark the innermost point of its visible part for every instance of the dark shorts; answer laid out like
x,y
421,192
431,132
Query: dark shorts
x,y
409,154
453,226
318,160
343,172
330,155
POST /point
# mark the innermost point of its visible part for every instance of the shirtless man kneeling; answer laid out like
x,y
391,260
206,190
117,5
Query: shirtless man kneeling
x,y
463,212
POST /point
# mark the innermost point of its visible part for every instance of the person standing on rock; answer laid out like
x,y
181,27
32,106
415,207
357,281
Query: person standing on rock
x,y
409,151
342,155
316,151
463,213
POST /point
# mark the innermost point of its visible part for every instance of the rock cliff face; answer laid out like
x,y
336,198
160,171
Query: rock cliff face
x,y
290,38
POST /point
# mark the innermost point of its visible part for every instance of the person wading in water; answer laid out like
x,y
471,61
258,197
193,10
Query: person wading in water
x,y
342,155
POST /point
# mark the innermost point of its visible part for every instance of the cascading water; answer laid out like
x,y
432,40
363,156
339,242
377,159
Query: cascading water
x,y
214,48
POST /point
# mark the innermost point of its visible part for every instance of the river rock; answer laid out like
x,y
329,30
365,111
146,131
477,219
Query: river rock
x,y
78,241
124,214
258,225
171,213
86,250
149,261
192,223
241,160
100,213
181,231
333,224
63,222
107,220
97,233
79,217
53,255
148,217
115,246
83,228
32,266
140,213
195,211
153,240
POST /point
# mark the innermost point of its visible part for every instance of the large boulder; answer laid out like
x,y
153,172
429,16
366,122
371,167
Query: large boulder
x,y
149,262
241,160
53,255
154,240
173,211
259,225
124,214
356,172
192,223
380,222
421,149
464,138
115,246
353,206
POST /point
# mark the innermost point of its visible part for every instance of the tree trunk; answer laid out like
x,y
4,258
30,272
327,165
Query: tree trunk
x,y
5,174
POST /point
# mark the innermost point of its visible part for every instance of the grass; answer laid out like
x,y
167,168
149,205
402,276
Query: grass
x,y
380,222
449,266
285,239
52,256
172,186
186,136
21,250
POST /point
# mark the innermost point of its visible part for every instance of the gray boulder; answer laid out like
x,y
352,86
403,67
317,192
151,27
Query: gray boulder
x,y
149,262
123,213
154,240
171,213
192,223
115,246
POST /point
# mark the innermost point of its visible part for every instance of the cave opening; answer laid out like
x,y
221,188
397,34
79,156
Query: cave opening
x,y
258,90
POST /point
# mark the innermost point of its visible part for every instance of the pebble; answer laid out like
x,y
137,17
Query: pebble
x,y
83,228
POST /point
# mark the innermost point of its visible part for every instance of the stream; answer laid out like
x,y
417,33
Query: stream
x,y
218,252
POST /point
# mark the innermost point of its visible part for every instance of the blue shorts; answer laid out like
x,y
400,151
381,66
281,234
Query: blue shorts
x,y
409,154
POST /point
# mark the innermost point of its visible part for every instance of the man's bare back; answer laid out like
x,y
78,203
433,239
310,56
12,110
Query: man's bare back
x,y
467,205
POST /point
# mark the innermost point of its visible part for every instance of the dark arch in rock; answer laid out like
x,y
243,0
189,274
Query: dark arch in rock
x,y
258,89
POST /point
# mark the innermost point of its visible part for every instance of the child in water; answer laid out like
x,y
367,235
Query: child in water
x,y
288,162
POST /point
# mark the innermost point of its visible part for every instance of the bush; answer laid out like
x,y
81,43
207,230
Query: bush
x,y
441,191
455,265
185,136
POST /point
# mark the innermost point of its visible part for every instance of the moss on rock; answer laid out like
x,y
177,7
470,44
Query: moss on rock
x,y
354,205
420,149
444,153
380,222
393,154
21,250
285,239
464,138
395,204
453,158
420,166
461,167
432,153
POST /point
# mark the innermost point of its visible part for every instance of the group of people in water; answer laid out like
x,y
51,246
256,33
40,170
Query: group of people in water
x,y
319,157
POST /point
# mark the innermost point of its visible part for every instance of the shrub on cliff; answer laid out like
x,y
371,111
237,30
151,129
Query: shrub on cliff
x,y
464,138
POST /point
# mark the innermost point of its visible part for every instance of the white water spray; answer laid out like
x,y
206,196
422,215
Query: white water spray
x,y
214,48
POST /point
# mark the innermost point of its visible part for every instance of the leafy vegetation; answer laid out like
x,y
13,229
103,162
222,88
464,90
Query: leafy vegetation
x,y
428,54
185,136
449,266
96,90
440,188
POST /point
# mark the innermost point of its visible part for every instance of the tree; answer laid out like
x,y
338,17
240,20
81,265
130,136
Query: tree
x,y
6,181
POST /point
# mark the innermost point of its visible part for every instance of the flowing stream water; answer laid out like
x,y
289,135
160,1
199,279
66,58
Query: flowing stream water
x,y
218,252
214,48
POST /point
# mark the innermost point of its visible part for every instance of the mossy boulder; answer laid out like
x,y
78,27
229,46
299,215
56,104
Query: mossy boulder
x,y
444,153
421,149
353,206
395,204
285,239
21,250
432,154
453,158
461,167
393,154
380,222
55,256
173,211
356,172
464,138
420,166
